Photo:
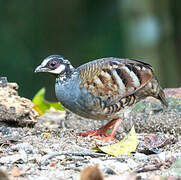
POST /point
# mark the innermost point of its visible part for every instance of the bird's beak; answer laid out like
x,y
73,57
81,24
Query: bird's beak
x,y
40,69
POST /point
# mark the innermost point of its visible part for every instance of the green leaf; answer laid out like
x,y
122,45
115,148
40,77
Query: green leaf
x,y
125,146
42,105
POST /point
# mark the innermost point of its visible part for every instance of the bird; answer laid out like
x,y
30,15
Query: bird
x,y
101,89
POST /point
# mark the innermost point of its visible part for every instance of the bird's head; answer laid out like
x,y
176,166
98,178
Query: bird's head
x,y
55,64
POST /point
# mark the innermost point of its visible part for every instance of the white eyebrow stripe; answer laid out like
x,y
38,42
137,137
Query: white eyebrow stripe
x,y
44,63
58,70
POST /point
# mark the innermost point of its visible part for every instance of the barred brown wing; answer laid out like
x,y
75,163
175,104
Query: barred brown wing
x,y
112,78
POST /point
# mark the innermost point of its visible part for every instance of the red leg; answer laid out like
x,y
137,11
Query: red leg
x,y
102,131
113,132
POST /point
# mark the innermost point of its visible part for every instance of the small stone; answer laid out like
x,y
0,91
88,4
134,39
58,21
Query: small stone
x,y
3,81
110,171
15,133
61,157
24,156
117,166
46,163
47,151
10,159
1,150
23,146
4,130
141,157
121,167
162,156
12,109
55,146
98,162
132,164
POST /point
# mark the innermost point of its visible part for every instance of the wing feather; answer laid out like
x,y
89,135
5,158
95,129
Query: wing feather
x,y
112,78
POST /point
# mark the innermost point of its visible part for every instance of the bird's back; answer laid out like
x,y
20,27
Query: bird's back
x,y
110,84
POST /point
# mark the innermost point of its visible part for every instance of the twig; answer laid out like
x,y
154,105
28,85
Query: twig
x,y
146,168
92,154
73,168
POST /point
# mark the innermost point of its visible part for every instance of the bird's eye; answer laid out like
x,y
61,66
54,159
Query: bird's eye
x,y
53,64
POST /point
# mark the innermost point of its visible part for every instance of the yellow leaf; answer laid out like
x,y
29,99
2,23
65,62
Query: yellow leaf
x,y
125,146
36,108
47,135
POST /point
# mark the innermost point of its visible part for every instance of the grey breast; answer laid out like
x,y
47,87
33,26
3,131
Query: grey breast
x,y
70,95
76,99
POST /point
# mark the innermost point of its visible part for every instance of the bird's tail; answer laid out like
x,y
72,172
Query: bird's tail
x,y
157,91
161,96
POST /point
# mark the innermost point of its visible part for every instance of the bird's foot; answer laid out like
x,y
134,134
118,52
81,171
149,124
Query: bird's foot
x,y
96,134
106,139
93,133
102,131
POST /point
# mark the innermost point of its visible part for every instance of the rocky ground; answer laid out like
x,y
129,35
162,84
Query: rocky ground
x,y
47,147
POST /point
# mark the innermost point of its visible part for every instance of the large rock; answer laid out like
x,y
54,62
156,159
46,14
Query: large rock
x,y
14,109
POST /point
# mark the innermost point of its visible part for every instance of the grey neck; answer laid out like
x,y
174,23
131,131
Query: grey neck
x,y
67,74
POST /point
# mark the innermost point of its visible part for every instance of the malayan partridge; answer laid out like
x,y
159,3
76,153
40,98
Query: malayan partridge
x,y
102,88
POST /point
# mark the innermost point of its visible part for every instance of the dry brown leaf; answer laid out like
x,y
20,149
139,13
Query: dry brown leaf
x,y
91,173
17,172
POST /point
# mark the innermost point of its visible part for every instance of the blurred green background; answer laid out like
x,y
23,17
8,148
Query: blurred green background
x,y
83,30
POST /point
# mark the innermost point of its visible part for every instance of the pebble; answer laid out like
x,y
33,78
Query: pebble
x,y
3,81
61,157
95,161
47,150
115,165
23,146
4,130
15,133
132,164
24,156
109,171
120,167
141,157
55,146
10,159
162,156
46,163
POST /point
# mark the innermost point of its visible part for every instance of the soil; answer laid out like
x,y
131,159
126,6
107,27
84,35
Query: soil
x,y
47,147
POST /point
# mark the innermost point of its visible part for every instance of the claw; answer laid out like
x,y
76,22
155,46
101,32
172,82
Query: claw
x,y
102,131
106,139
